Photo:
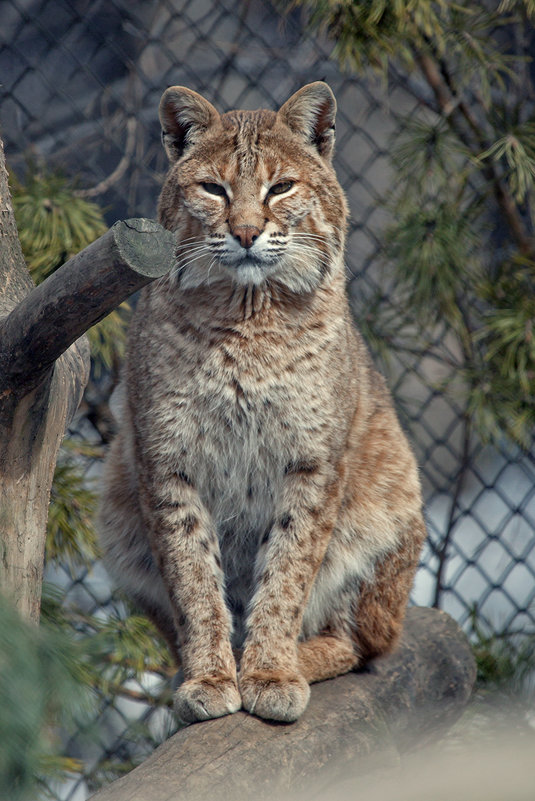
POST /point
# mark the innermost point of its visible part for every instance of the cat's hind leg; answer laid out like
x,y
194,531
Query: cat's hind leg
x,y
325,656
378,618
382,601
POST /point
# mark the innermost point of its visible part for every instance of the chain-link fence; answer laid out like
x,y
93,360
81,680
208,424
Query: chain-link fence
x,y
81,82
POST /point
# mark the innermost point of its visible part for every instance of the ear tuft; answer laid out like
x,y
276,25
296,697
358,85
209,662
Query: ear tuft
x,y
311,113
184,116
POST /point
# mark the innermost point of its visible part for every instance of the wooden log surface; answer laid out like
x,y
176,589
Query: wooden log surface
x,y
76,296
362,721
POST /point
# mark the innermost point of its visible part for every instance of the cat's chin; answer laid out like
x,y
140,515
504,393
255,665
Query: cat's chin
x,y
248,272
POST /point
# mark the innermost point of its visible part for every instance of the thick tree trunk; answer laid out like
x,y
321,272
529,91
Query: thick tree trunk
x,y
354,724
44,367
29,445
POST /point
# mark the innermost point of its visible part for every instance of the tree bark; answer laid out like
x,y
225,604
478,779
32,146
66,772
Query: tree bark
x,y
75,297
354,724
44,366
15,281
29,442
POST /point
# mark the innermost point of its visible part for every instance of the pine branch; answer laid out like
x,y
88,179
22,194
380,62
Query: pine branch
x,y
164,671
450,107
120,169
136,695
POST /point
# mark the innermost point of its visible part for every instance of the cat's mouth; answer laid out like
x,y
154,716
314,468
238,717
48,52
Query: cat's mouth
x,y
251,261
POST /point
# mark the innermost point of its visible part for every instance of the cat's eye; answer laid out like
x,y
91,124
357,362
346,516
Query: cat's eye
x,y
214,189
281,188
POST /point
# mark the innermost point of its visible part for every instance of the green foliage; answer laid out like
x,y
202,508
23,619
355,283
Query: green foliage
x,y
112,650
516,150
107,339
109,660
54,224
375,30
71,537
426,146
120,648
444,271
505,659
528,6
462,244
434,251
38,684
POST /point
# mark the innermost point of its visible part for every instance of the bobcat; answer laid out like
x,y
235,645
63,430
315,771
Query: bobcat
x,y
260,501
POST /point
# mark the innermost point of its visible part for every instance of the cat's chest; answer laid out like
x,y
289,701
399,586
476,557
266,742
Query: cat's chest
x,y
232,412
238,427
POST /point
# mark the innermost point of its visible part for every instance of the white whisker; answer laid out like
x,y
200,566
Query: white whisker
x,y
190,239
197,256
209,269
194,249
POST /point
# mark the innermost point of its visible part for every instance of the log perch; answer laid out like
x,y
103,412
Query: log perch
x,y
354,724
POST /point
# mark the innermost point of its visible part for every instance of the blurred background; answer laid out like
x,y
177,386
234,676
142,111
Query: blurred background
x,y
436,152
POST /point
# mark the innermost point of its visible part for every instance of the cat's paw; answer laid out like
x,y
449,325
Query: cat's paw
x,y
206,697
274,695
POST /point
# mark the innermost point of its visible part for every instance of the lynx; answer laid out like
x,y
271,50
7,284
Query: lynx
x,y
260,501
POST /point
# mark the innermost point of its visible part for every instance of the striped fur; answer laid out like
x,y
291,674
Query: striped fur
x,y
260,494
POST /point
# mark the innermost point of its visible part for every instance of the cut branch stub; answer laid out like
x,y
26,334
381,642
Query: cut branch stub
x,y
75,297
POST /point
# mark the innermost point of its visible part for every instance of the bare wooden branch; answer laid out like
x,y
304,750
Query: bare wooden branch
x,y
121,168
355,723
75,297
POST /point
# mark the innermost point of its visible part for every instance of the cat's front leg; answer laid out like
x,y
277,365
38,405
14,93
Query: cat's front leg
x,y
185,544
270,681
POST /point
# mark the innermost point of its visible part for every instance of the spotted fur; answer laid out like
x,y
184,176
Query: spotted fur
x,y
260,494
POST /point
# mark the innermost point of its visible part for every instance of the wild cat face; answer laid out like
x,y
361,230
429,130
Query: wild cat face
x,y
252,194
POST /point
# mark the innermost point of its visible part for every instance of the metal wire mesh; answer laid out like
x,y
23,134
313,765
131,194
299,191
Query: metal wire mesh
x,y
81,81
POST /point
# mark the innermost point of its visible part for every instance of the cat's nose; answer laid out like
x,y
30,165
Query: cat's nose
x,y
246,234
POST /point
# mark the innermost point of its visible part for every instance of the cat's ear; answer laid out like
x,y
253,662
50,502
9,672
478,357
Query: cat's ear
x,y
311,112
184,116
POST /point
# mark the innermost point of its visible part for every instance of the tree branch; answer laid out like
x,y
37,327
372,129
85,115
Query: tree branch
x,y
120,169
451,106
355,723
75,297
44,366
